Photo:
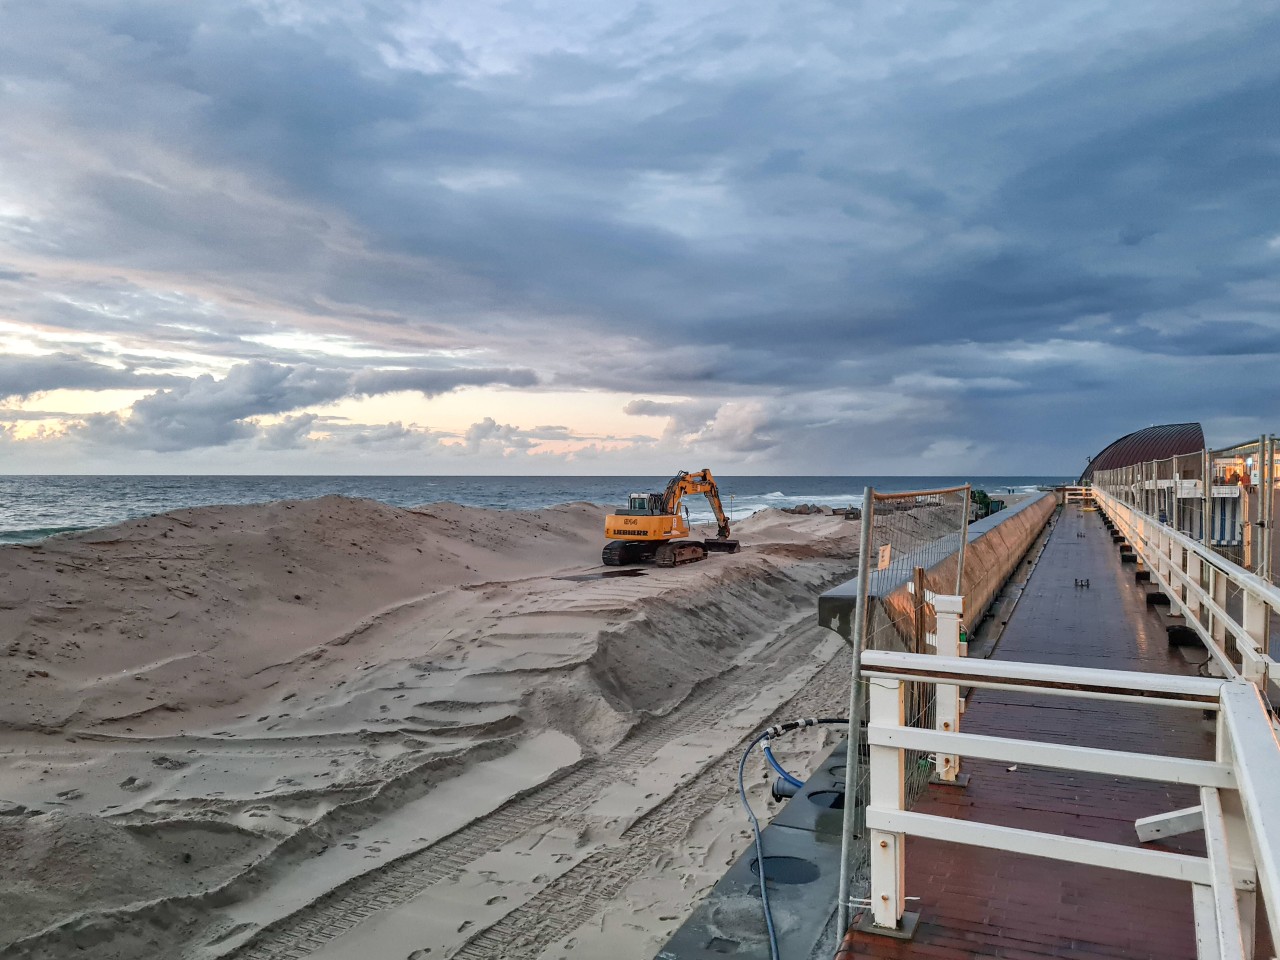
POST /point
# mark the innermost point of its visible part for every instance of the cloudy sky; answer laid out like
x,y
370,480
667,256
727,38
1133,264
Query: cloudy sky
x,y
296,236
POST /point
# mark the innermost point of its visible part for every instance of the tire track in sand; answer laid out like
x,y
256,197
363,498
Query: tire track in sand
x,y
580,894
343,908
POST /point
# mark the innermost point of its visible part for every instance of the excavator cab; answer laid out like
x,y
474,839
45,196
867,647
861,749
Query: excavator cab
x,y
649,528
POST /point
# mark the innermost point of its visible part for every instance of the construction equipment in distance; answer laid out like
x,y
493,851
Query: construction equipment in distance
x,y
649,528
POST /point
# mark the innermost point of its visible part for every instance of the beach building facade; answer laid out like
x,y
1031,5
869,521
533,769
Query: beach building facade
x,y
1153,471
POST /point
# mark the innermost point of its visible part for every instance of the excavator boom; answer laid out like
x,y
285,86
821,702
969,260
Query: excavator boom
x,y
687,484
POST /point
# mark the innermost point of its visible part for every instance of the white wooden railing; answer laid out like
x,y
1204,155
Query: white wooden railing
x,y
1077,495
1198,582
1239,789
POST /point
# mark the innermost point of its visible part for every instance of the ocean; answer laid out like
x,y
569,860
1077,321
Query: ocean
x,y
34,507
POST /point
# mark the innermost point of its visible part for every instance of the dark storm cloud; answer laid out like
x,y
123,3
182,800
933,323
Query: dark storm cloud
x,y
23,376
431,383
394,434
965,217
683,418
208,412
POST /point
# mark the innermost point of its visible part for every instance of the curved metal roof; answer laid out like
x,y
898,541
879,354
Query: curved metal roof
x,y
1150,443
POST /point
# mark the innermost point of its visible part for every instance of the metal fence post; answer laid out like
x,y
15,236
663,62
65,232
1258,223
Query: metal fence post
x,y
947,695
888,792
1255,548
964,539
1264,508
852,752
1206,505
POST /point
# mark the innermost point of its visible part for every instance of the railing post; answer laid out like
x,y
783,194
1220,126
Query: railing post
x,y
1239,844
947,695
1254,620
1192,568
888,792
1218,588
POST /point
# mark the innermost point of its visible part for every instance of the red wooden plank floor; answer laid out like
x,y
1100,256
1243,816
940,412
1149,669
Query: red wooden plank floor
x,y
977,903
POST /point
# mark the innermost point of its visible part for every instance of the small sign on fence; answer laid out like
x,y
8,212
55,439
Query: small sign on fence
x,y
883,562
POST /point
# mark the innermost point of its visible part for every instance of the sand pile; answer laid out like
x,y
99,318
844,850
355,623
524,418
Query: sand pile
x,y
198,705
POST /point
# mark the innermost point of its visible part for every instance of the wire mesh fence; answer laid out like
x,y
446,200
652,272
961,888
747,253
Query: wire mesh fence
x,y
912,549
914,535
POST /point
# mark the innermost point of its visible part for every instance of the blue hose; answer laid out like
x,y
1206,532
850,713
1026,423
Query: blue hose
x,y
755,829
768,753
775,730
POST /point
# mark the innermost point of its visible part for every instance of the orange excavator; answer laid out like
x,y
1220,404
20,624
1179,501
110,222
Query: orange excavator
x,y
649,528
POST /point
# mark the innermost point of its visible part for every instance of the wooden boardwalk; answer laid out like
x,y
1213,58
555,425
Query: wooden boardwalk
x,y
977,903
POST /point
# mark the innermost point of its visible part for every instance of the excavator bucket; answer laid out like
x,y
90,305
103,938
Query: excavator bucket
x,y
721,546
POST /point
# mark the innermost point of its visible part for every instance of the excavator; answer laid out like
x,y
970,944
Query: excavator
x,y
648,529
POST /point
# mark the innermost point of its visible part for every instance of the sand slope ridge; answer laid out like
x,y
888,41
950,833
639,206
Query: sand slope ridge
x,y
213,717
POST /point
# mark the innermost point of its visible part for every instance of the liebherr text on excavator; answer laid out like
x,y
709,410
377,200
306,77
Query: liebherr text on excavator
x,y
649,528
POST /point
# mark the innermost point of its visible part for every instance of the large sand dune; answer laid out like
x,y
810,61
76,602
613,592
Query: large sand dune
x,y
213,718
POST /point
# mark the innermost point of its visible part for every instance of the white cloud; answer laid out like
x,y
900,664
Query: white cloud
x,y
290,433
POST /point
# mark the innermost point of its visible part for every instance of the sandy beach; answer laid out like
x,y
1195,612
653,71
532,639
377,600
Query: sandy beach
x,y
229,731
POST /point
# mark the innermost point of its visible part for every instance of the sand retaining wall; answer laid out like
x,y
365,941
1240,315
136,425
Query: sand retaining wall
x,y
995,546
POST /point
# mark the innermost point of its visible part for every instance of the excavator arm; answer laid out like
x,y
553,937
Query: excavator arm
x,y
690,484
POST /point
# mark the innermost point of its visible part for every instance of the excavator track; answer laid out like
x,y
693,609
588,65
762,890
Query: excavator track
x,y
619,553
677,552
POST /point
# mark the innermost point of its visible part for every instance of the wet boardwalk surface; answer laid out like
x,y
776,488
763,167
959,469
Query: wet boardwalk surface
x,y
976,903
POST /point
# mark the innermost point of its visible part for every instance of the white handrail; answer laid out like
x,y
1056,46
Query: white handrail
x,y
1051,679
1157,544
1112,763
1243,842
1257,761
1239,574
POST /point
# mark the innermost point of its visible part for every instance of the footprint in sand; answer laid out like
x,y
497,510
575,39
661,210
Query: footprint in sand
x,y
466,924
418,954
492,900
